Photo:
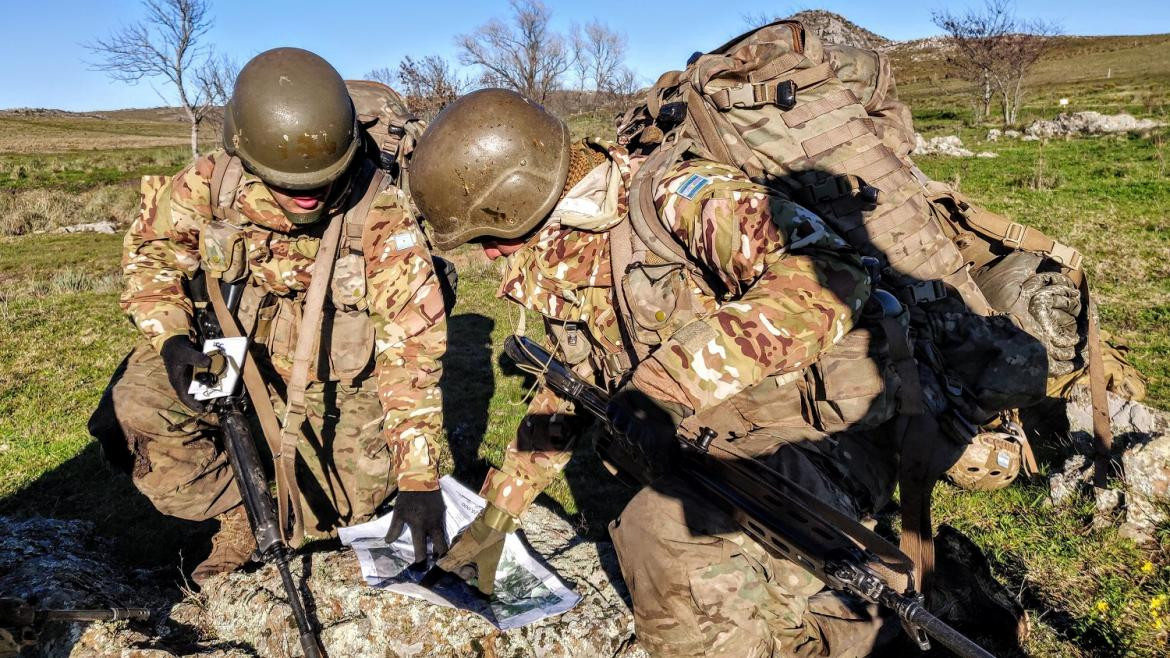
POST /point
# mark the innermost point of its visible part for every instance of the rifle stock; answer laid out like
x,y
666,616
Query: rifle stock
x,y
771,509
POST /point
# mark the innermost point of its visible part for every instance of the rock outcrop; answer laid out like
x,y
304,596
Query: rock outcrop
x,y
1087,123
60,563
949,145
1141,448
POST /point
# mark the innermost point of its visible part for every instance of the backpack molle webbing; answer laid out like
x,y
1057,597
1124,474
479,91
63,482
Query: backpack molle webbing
x,y
771,104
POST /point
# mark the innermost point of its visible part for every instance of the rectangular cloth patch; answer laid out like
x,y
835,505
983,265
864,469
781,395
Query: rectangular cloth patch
x,y
692,185
404,240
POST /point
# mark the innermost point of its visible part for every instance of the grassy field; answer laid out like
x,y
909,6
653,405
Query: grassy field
x,y
1090,592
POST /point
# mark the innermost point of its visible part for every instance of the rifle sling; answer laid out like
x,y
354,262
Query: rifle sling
x,y
257,389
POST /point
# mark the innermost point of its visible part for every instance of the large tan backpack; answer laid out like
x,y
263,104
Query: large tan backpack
x,y
807,119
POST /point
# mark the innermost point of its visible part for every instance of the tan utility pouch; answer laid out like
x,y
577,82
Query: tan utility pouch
x,y
854,384
571,340
223,251
349,335
659,300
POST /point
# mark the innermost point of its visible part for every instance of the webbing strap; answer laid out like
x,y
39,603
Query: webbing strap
x,y
307,335
878,168
862,160
805,78
918,470
1014,235
1098,395
287,491
814,146
226,175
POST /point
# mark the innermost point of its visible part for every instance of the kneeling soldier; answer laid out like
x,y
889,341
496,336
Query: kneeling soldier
x,y
365,414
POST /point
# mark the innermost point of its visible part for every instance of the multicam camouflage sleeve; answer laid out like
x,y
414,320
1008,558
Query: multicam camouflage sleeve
x,y
406,306
161,248
540,451
794,286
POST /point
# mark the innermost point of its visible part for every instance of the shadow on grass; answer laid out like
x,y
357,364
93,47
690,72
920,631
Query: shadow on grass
x,y
85,488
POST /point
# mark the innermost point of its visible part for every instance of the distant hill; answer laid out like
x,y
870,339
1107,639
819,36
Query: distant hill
x,y
835,28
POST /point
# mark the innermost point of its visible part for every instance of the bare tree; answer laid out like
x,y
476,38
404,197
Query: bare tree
x,y
994,50
165,44
600,53
217,77
524,54
429,84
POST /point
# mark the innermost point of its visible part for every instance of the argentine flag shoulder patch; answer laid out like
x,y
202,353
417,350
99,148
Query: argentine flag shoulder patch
x,y
691,186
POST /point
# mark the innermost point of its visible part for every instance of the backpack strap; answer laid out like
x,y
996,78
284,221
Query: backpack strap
x,y
225,180
355,217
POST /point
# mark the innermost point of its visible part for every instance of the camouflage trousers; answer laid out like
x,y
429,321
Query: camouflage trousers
x,y
701,587
344,469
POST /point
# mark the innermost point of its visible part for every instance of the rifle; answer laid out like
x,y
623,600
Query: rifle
x,y
15,613
248,469
771,509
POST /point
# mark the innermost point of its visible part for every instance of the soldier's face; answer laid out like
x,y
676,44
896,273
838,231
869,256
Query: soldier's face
x,y
494,248
307,204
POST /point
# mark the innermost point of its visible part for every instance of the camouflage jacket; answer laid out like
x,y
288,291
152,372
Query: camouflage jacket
x,y
790,288
401,293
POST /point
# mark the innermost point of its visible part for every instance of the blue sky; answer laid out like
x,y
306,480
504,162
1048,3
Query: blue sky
x,y
43,61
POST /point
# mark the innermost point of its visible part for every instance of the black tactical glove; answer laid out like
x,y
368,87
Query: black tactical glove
x,y
650,424
181,357
422,512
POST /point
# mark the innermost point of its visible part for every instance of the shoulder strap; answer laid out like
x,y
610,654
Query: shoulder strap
x,y
288,494
225,180
355,217
309,330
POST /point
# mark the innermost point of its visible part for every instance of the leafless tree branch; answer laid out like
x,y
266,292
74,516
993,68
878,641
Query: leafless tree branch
x,y
166,44
524,54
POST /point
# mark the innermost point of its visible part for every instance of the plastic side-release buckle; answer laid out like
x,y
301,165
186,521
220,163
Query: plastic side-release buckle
x,y
925,292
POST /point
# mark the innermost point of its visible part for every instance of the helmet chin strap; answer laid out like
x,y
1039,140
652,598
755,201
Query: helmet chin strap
x,y
304,218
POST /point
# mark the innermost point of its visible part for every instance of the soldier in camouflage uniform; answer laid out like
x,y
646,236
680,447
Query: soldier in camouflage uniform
x,y
373,407
768,290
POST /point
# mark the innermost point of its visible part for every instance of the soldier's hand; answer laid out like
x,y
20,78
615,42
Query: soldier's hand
x,y
422,512
180,357
1054,304
650,424
476,552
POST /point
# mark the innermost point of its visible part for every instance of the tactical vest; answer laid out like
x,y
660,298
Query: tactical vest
x,y
274,320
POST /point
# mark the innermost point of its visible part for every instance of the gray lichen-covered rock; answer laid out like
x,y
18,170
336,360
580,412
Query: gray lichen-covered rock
x,y
1141,446
244,613
949,145
1088,123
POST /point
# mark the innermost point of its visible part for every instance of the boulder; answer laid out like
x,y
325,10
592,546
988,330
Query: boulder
x,y
1141,437
949,145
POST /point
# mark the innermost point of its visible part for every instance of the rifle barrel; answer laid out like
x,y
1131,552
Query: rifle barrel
x,y
109,614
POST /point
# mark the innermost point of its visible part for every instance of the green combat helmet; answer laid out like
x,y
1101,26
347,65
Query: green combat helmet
x,y
290,120
493,163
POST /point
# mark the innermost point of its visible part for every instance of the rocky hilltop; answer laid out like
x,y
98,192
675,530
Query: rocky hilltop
x,y
835,28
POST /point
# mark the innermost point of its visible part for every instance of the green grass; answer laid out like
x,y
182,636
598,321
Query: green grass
x,y
75,171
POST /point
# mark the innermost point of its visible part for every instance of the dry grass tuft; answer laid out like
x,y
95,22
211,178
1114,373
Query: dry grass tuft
x,y
30,211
